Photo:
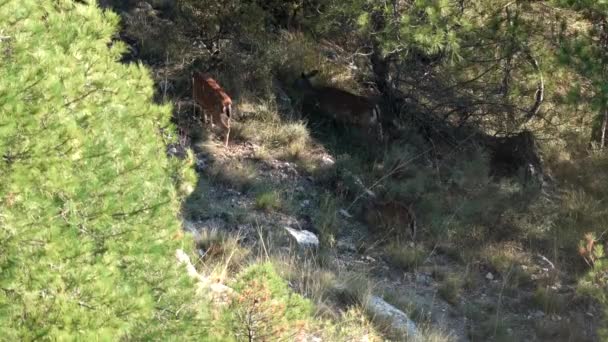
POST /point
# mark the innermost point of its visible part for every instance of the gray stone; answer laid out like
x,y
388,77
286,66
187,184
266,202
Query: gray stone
x,y
399,321
304,238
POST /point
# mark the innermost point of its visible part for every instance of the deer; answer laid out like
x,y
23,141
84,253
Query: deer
x,y
342,106
213,100
391,216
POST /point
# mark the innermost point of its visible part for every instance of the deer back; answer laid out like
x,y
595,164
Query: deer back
x,y
210,95
342,105
346,107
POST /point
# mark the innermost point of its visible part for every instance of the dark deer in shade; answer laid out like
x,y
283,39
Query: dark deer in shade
x,y
341,105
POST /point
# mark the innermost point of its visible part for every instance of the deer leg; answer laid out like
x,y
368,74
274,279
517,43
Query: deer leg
x,y
210,117
227,135
205,118
225,121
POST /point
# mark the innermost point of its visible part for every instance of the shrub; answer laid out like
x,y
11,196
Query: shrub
x,y
265,308
232,173
87,205
407,258
268,200
326,221
548,300
450,288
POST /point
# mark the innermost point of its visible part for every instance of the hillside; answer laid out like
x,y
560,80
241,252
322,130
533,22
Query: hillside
x,y
457,197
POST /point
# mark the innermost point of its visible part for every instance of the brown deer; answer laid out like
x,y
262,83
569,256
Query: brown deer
x,y
213,100
391,216
586,249
341,105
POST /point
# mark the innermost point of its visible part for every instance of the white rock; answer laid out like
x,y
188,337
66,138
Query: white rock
x,y
304,238
490,276
327,161
399,321
345,213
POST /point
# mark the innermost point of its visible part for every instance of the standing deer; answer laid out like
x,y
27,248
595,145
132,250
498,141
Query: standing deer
x,y
395,217
341,105
213,100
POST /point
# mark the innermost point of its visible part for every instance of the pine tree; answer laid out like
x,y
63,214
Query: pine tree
x,y
587,53
87,204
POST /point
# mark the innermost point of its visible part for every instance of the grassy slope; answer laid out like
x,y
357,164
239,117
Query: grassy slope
x,y
469,225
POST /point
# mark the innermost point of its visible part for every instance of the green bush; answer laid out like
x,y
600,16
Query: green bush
x,y
87,201
402,256
268,200
265,308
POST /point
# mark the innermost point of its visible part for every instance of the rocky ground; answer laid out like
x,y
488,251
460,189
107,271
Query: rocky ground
x,y
471,316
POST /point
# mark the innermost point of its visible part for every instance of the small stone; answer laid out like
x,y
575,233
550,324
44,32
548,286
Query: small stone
x,y
327,161
345,213
490,276
358,181
422,278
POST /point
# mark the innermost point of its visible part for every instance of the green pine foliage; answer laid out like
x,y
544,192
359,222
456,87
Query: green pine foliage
x,y
87,205
265,308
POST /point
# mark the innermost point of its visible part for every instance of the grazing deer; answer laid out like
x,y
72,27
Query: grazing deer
x,y
586,249
213,100
341,105
391,216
